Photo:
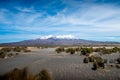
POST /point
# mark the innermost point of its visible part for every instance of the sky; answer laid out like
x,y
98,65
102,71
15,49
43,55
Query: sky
x,y
97,20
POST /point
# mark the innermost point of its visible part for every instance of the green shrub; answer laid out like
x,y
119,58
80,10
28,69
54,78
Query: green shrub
x,y
59,50
86,51
107,51
70,50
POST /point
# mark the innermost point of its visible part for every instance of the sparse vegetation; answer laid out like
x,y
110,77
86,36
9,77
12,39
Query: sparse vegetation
x,y
91,59
27,50
98,63
24,74
70,50
86,51
60,49
3,54
7,51
118,60
86,60
107,51
65,65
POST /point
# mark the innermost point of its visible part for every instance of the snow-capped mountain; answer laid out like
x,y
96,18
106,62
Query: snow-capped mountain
x,y
60,40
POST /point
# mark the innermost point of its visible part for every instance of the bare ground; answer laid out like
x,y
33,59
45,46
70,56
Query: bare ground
x,y
63,66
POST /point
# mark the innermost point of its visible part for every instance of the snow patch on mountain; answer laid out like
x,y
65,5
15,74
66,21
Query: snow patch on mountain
x,y
58,37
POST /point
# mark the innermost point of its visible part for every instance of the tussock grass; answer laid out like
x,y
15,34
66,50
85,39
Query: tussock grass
x,y
24,74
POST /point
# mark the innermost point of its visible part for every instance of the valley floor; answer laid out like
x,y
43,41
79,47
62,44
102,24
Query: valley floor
x,y
63,66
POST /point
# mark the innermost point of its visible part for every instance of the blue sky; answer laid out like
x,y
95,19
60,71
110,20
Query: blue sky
x,y
85,19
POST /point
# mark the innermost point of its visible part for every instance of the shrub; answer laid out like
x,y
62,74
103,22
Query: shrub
x,y
86,60
45,75
98,62
17,49
59,50
27,50
107,51
95,66
3,54
70,50
6,49
10,55
23,74
77,49
97,50
86,51
98,59
17,53
91,58
118,66
118,60
105,60
115,49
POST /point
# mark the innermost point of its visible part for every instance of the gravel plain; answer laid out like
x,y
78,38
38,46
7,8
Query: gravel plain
x,y
63,66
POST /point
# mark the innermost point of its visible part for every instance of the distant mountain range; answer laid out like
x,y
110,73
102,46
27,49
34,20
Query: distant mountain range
x,y
56,41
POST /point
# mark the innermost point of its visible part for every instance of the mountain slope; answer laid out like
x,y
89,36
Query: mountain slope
x,y
53,41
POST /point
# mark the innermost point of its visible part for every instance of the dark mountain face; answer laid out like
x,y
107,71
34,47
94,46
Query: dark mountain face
x,y
56,42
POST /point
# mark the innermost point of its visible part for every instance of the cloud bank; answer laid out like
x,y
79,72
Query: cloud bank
x,y
85,19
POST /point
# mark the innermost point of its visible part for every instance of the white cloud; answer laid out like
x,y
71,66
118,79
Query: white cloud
x,y
3,16
24,9
85,20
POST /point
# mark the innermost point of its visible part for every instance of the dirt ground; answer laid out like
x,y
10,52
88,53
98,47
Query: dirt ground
x,y
63,66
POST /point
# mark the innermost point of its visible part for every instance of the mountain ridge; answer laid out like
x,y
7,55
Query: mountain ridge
x,y
53,41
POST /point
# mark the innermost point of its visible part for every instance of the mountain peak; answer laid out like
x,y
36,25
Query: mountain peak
x,y
58,37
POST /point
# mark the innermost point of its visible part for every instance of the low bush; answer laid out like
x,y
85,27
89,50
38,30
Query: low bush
x,y
59,50
10,55
86,51
86,60
17,53
91,58
24,74
70,50
6,49
3,54
118,60
27,50
95,66
98,62
117,66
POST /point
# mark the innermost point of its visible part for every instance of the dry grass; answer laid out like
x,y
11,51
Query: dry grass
x,y
24,74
